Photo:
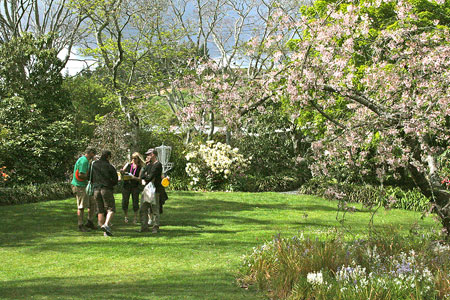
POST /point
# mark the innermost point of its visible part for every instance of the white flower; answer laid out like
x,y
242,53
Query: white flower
x,y
315,278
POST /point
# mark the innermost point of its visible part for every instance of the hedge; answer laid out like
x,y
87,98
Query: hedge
x,y
35,193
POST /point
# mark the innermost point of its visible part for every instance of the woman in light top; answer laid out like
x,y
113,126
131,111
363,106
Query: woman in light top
x,y
131,184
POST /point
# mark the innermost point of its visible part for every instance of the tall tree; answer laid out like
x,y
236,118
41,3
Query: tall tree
x,y
42,17
136,48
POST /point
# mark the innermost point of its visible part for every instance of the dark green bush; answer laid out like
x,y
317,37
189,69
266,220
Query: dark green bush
x,y
35,193
369,195
178,184
275,183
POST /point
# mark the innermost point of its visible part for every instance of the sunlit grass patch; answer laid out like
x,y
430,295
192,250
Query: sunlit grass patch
x,y
196,255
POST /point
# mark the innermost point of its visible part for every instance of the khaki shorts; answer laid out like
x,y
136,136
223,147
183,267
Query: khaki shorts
x,y
105,200
82,197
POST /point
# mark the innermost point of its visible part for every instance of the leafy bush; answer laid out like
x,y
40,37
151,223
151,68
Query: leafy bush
x,y
35,193
385,266
214,166
275,183
179,184
369,195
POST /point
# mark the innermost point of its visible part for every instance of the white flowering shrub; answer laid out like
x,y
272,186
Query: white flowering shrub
x,y
215,166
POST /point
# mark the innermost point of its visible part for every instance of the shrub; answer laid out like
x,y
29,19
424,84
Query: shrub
x,y
275,183
214,166
368,195
384,266
35,193
179,184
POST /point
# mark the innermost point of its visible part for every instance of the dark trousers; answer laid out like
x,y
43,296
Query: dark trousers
x,y
134,192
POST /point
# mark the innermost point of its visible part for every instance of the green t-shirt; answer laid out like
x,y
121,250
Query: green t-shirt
x,y
82,166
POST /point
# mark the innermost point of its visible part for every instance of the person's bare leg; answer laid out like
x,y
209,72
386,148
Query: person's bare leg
x,y
80,214
101,219
109,217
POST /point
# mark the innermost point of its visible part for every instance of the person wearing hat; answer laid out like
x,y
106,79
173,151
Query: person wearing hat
x,y
152,173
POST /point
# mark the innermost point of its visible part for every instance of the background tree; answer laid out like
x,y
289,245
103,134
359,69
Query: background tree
x,y
233,82
137,52
90,101
34,113
42,17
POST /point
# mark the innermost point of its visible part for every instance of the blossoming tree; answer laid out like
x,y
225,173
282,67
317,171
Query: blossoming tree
x,y
226,89
384,93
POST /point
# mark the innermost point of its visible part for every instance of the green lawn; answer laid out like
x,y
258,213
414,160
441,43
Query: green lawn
x,y
195,256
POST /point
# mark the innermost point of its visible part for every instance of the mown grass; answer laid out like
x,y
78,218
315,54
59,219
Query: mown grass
x,y
195,256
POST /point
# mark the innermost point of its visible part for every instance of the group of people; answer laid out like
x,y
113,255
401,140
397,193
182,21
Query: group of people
x,y
103,176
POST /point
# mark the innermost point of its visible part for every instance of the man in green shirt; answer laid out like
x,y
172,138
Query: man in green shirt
x,y
79,182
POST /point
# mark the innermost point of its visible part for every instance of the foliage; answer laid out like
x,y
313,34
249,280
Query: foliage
x,y
272,183
379,85
178,183
270,138
89,99
215,166
387,265
37,132
32,72
139,55
369,195
31,193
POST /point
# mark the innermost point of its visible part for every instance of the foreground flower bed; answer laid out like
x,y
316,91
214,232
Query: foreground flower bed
x,y
384,266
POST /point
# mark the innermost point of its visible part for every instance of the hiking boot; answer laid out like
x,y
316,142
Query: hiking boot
x,y
90,225
155,229
82,228
107,230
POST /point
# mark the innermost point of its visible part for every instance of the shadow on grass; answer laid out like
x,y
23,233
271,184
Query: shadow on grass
x,y
189,212
210,284
26,224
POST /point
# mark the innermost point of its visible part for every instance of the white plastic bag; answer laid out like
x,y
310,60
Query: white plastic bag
x,y
148,195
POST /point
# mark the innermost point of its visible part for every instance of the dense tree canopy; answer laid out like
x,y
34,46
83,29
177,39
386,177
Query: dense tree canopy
x,y
34,113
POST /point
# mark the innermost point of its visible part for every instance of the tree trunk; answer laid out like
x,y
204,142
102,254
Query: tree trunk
x,y
188,136
228,136
430,186
133,121
211,124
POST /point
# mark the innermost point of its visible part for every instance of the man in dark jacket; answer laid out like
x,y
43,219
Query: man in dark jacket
x,y
104,178
152,173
